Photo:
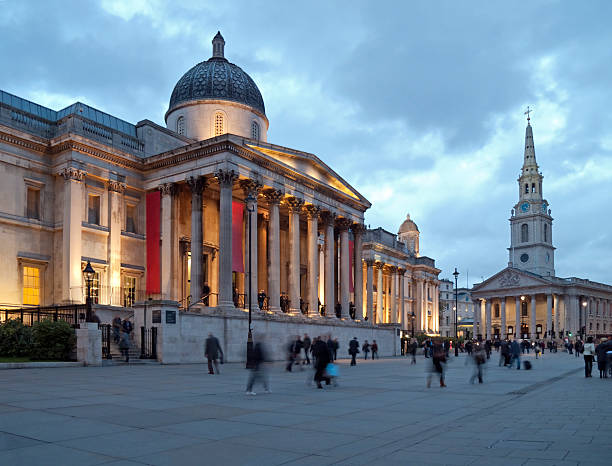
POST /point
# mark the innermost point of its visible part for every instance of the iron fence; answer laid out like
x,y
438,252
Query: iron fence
x,y
106,341
74,314
148,343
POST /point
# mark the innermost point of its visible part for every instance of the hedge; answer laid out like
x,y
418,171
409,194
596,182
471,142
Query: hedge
x,y
46,339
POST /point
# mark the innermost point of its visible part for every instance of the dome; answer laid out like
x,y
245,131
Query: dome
x,y
407,226
217,79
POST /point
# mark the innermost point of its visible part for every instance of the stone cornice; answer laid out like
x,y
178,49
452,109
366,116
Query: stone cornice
x,y
70,144
21,142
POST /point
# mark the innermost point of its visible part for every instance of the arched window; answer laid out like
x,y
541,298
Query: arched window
x,y
533,187
180,125
524,233
255,131
219,124
526,188
545,232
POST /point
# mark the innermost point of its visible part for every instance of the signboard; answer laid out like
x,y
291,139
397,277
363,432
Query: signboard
x,y
171,317
156,317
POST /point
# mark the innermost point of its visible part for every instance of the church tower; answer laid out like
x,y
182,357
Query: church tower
x,y
531,247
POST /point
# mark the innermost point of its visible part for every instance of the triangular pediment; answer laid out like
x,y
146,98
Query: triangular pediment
x,y
510,278
308,165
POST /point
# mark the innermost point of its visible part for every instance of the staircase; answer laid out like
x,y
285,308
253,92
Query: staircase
x,y
119,359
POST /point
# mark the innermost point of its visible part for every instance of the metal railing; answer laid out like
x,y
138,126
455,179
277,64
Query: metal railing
x,y
148,343
106,341
74,314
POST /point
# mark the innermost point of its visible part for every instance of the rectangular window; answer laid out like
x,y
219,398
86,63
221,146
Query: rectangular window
x,y
93,209
33,203
496,310
31,286
129,291
130,219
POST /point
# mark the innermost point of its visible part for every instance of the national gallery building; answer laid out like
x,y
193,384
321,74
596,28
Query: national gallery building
x,y
203,212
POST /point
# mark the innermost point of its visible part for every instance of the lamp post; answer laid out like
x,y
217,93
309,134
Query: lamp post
x,y
412,317
250,209
89,273
582,333
456,275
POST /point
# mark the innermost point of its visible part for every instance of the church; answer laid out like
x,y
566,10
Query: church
x,y
526,299
203,212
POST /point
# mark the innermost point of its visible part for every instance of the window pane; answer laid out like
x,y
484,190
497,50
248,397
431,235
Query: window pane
x,y
31,286
130,219
94,210
33,203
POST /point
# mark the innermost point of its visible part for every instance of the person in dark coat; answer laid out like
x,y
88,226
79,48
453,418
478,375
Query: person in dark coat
x,y
374,348
353,350
413,349
124,345
206,294
366,349
306,344
438,359
212,351
322,357
258,370
515,351
330,347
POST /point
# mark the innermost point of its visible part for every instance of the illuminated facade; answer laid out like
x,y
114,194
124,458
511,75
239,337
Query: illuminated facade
x,y
526,299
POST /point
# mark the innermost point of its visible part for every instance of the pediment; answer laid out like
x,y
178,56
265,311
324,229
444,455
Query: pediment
x,y
308,165
510,278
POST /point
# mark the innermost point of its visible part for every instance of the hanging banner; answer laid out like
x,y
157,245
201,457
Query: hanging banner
x,y
352,267
237,228
153,211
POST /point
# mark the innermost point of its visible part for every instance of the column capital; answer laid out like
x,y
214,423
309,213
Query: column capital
x,y
226,178
74,174
197,184
250,187
294,204
312,211
392,269
167,189
343,223
369,262
327,217
379,265
358,228
116,186
274,196
401,271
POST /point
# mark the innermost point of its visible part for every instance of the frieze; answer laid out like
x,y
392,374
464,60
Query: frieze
x,y
510,278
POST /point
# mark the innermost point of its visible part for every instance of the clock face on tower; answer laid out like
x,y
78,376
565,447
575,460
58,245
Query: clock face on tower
x,y
524,257
525,206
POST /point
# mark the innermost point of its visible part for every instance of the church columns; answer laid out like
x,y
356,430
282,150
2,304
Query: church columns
x,y
402,314
345,267
379,293
358,267
370,290
488,318
549,305
504,329
197,185
115,222
532,326
393,299
517,318
226,180
167,240
330,295
71,235
294,205
313,255
251,189
274,197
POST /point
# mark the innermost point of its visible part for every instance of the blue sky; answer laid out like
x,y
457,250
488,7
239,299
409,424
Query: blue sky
x,y
419,105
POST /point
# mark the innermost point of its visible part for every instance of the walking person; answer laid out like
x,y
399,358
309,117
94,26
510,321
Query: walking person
x,y
124,345
437,360
515,351
413,349
374,349
212,351
588,352
116,328
602,356
330,347
258,369
366,349
306,344
353,350
322,356
479,361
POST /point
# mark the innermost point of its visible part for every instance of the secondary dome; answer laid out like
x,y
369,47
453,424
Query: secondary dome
x,y
408,225
217,79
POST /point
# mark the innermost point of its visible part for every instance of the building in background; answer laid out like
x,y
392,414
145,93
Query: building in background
x,y
465,311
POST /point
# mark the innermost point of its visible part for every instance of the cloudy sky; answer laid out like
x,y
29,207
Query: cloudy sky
x,y
419,105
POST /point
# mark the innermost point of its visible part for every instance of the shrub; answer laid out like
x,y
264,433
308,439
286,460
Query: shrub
x,y
15,339
52,340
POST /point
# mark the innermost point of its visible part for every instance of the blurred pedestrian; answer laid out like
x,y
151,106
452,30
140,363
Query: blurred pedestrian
x,y
322,356
124,345
588,351
515,352
258,369
330,347
479,361
366,349
374,349
353,350
116,328
437,360
212,351
602,357
306,344
413,349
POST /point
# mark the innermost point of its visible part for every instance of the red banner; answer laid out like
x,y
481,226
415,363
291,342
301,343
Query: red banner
x,y
153,236
237,222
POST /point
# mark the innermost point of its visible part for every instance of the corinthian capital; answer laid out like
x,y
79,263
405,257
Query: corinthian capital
x,y
343,223
167,189
294,204
312,211
70,173
226,178
250,187
358,228
274,196
327,217
116,186
197,184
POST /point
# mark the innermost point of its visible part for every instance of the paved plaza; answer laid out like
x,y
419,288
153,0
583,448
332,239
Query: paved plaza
x,y
380,413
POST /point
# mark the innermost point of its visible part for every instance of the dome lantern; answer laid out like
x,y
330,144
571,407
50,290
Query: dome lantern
x,y
218,46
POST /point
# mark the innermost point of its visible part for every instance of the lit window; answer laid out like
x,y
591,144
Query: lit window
x,y
533,188
130,219
255,131
219,124
93,209
31,286
129,291
33,203
95,288
180,125
524,233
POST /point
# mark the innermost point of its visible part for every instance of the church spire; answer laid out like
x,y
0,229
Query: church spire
x,y
218,46
529,162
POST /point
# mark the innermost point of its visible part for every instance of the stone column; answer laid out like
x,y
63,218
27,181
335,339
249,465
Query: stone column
x,y
274,197
476,304
517,317
197,186
421,310
557,318
345,266
393,301
358,229
167,192
436,307
251,189
549,305
72,277
328,219
379,293
504,328
488,318
402,313
370,290
226,179
115,223
312,213
294,205
533,317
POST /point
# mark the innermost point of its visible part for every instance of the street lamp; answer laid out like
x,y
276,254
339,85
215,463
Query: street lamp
x,y
412,317
89,273
456,275
250,206
584,305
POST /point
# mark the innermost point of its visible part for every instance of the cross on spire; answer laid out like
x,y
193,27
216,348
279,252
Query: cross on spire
x,y
527,112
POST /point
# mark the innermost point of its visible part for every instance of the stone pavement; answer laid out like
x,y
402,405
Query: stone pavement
x,y
380,413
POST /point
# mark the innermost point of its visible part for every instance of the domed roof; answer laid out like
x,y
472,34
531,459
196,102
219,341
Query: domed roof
x,y
407,226
217,79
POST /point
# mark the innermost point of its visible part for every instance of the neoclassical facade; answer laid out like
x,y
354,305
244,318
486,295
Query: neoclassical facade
x,y
527,300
